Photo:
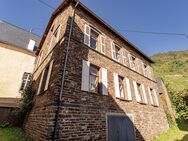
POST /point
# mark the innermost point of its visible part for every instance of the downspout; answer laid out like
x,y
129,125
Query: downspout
x,y
63,77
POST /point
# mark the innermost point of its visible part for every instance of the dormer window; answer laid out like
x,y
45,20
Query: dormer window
x,y
31,45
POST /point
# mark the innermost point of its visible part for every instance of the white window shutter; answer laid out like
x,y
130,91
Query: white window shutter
x,y
124,58
59,31
102,41
87,33
144,94
116,85
85,75
104,81
156,98
40,83
151,98
128,88
49,75
113,50
143,69
138,98
130,60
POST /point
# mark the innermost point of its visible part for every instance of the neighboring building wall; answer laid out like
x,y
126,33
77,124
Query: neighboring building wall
x,y
83,114
14,62
165,97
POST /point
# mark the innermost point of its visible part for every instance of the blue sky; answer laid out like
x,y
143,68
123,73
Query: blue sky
x,y
144,15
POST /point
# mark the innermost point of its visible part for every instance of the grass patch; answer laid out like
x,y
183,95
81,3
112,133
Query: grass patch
x,y
13,134
175,133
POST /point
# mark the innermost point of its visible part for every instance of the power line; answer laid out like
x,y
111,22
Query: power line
x,y
127,30
46,4
155,33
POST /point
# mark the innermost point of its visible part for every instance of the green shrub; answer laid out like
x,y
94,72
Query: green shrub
x,y
180,102
26,101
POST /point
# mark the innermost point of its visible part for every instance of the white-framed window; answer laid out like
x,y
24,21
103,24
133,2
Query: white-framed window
x,y
153,97
132,62
26,78
45,78
140,92
147,70
137,89
39,59
144,69
94,38
94,79
54,37
122,87
116,54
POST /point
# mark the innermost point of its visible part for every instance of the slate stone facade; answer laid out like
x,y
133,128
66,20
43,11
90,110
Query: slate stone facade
x,y
83,115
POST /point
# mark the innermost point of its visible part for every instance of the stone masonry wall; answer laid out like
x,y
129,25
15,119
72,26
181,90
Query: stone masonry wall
x,y
83,114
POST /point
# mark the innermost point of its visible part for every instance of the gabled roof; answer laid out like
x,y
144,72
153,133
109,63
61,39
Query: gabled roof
x,y
16,36
65,3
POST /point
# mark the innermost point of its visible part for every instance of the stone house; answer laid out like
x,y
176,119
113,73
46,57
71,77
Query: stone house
x,y
91,83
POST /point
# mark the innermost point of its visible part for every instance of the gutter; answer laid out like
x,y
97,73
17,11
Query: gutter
x,y
63,77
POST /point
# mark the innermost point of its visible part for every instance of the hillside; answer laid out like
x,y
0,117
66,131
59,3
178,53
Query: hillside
x,y
173,68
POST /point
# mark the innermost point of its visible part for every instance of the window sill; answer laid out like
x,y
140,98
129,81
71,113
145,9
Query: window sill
x,y
142,103
123,99
155,106
42,93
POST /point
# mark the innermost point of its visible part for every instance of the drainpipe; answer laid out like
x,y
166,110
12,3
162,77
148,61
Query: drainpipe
x,y
63,77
